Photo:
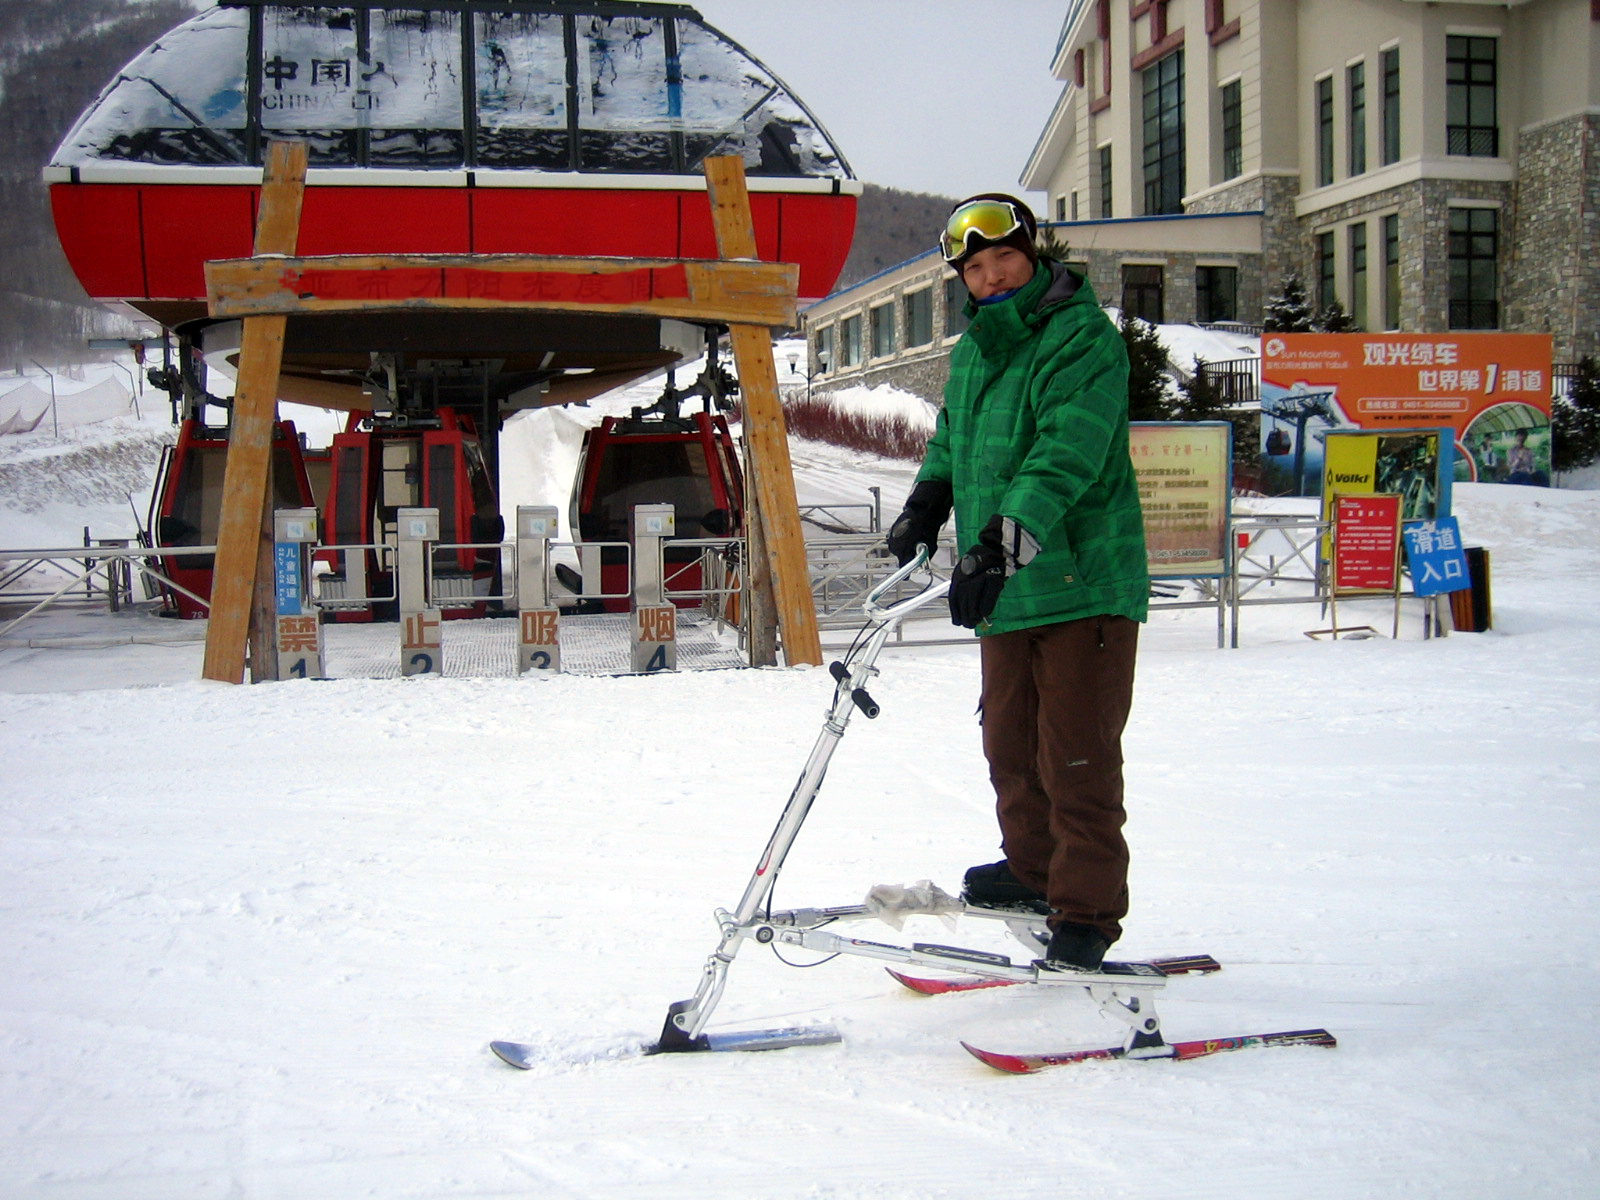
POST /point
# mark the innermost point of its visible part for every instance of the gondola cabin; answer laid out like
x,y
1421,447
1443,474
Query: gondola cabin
x,y
377,468
656,457
460,126
562,127
186,504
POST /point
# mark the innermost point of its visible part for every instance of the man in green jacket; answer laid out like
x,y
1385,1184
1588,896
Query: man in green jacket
x,y
1031,452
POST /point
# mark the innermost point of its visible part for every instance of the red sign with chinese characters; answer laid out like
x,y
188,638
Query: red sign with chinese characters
x,y
1366,543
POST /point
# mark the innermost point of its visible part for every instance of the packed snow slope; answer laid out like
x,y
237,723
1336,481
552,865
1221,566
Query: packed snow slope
x,y
258,938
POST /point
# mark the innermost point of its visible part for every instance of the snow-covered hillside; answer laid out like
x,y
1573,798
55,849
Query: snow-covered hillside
x,y
258,938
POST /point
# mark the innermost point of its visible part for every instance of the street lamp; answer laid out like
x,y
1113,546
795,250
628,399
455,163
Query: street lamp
x,y
822,369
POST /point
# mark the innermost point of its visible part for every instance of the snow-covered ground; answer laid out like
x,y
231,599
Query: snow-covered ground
x,y
261,936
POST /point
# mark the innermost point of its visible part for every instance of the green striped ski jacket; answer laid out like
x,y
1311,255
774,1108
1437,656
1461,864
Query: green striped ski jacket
x,y
1035,427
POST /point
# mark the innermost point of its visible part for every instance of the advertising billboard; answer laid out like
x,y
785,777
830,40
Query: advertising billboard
x,y
1413,464
1490,390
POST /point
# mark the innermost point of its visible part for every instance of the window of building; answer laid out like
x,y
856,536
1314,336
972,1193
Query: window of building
x,y
1391,105
824,350
1232,131
1105,180
1356,90
850,341
1472,123
1074,204
1391,271
1142,292
955,307
1216,294
1163,135
880,318
1474,274
1358,274
1324,131
919,317
1326,293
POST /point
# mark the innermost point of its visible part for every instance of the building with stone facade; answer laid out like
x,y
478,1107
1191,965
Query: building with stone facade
x,y
1431,166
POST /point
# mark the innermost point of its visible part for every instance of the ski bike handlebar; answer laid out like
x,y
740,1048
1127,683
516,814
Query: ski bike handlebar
x,y
896,613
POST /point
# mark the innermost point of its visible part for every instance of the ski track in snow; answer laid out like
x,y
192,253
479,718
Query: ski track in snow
x,y
258,938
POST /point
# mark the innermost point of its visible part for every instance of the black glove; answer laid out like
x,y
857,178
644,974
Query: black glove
x,y
1004,547
926,511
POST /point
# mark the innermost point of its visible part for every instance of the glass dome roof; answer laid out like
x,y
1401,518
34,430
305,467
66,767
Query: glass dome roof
x,y
604,87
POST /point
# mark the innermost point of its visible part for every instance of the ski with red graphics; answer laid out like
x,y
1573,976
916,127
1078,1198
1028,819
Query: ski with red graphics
x,y
1027,1064
1191,964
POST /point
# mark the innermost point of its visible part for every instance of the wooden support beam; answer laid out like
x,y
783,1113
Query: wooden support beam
x,y
687,289
246,480
765,431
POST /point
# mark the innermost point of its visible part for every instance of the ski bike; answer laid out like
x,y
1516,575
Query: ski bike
x,y
1124,991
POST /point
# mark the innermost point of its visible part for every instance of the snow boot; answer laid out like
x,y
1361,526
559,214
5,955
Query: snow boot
x,y
1075,948
992,885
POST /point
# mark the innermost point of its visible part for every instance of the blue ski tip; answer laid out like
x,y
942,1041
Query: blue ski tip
x,y
516,1054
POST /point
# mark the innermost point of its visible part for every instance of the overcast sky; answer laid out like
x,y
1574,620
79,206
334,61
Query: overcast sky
x,y
942,96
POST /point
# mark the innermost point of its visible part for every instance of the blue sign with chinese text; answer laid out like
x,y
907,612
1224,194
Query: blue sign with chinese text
x,y
1438,562
286,560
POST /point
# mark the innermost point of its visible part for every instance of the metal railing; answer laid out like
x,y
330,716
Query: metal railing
x,y
457,588
332,590
103,571
1276,560
719,558
844,568
831,517
1237,380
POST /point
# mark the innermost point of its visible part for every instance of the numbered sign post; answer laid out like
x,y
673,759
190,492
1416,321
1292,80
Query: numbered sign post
x,y
294,531
538,621
655,619
421,643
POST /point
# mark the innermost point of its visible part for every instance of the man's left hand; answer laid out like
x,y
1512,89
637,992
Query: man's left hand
x,y
975,586
1004,547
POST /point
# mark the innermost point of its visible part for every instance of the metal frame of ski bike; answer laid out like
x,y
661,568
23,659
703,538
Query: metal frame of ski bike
x,y
1122,990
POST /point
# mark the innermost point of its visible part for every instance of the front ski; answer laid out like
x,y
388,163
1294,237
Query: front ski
x,y
1190,964
1027,1064
524,1056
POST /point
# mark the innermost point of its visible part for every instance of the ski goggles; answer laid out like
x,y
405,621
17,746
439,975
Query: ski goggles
x,y
991,220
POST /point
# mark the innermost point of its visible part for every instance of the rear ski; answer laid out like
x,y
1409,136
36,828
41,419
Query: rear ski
x,y
1028,1064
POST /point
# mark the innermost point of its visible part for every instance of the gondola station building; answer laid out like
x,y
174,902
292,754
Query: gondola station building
x,y
1429,166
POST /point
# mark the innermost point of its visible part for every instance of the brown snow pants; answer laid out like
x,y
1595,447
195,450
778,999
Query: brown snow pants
x,y
1055,700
